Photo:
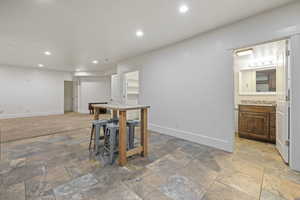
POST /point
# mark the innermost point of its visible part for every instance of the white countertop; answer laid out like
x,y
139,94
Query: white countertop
x,y
250,104
121,107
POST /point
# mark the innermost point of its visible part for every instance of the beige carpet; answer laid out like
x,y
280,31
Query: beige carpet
x,y
22,128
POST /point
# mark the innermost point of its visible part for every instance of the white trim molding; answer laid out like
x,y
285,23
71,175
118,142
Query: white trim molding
x,y
193,137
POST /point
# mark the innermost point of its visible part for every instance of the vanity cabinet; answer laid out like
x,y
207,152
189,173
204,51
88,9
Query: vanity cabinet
x,y
257,122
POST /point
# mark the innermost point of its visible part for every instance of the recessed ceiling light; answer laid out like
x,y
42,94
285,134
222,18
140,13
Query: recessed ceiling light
x,y
95,62
139,33
183,8
40,65
48,53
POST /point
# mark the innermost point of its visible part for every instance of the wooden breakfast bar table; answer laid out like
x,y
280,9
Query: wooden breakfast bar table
x,y
122,109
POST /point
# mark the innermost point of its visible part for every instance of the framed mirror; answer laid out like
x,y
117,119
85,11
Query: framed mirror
x,y
257,81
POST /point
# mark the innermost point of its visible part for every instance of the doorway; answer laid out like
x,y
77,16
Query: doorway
x,y
262,103
68,96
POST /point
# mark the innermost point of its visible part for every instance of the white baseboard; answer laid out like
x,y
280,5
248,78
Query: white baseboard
x,y
193,137
21,115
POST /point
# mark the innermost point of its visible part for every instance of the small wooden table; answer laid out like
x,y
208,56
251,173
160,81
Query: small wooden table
x,y
122,109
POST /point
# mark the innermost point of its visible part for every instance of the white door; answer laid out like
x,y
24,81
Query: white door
x,y
115,89
282,109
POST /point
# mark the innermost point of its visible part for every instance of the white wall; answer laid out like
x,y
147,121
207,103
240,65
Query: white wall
x,y
190,86
31,92
93,90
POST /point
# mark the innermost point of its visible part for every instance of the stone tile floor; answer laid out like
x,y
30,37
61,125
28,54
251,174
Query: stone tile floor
x,y
60,167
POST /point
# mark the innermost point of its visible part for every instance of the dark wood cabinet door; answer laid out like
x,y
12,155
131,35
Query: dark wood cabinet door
x,y
273,127
254,125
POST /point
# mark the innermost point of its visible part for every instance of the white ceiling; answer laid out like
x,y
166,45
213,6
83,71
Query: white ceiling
x,y
79,31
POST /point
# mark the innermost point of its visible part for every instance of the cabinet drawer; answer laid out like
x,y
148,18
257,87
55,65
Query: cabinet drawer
x,y
256,109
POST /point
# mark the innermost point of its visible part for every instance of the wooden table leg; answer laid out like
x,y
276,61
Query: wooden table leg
x,y
96,114
122,138
95,117
144,131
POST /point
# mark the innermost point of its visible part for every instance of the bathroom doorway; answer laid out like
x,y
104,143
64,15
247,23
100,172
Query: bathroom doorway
x,y
262,97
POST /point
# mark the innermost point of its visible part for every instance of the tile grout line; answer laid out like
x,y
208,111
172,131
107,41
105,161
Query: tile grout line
x,y
25,191
262,182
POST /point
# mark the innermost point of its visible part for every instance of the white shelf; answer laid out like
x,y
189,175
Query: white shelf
x,y
133,87
133,93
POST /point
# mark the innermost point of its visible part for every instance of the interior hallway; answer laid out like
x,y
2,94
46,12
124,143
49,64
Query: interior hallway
x,y
60,167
